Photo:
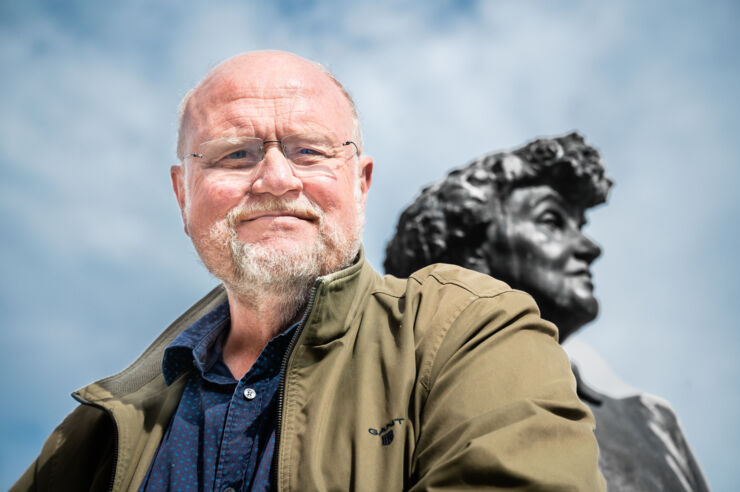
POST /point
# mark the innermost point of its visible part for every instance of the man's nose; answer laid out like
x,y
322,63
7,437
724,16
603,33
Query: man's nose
x,y
586,248
275,174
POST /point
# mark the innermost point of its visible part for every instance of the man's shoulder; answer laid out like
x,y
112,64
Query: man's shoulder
x,y
434,298
448,278
78,455
148,366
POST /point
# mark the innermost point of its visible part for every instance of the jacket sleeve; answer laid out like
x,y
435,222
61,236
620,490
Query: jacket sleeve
x,y
78,455
501,412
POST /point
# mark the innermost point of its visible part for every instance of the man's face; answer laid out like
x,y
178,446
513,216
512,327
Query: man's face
x,y
280,220
538,247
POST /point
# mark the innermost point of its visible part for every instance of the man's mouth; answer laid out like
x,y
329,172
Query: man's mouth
x,y
272,209
277,214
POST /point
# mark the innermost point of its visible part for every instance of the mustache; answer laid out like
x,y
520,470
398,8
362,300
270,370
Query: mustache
x,y
300,208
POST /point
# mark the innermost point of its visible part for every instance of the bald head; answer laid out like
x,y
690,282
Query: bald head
x,y
264,76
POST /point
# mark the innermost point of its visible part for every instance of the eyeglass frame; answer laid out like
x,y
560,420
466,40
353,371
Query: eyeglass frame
x,y
282,147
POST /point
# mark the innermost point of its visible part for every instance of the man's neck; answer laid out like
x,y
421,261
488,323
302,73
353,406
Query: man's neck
x,y
254,322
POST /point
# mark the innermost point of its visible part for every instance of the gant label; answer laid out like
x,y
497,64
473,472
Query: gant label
x,y
386,432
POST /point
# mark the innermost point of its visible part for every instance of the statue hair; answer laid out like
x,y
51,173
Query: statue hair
x,y
448,220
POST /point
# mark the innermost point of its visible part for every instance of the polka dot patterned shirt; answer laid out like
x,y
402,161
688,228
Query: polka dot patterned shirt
x,y
222,436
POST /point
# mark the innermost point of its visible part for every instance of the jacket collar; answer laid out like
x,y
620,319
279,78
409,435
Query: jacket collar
x,y
148,367
337,301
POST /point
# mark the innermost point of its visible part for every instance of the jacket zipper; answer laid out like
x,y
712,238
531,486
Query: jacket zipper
x,y
115,436
281,387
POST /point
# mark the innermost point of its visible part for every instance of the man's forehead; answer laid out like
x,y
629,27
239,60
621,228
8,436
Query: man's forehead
x,y
239,96
224,87
247,101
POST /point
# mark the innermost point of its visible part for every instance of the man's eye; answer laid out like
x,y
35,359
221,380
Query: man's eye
x,y
237,159
309,151
239,154
307,155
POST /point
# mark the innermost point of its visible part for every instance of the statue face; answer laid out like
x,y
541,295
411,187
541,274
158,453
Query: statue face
x,y
537,246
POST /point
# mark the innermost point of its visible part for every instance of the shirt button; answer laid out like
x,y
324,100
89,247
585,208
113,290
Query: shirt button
x,y
249,394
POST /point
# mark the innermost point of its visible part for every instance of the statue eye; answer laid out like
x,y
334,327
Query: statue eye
x,y
552,219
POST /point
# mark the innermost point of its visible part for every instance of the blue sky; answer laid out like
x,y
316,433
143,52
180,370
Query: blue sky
x,y
95,263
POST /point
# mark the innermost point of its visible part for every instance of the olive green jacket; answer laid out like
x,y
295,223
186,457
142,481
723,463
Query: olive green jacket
x,y
448,380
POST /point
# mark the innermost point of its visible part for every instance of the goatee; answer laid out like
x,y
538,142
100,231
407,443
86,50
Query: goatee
x,y
288,273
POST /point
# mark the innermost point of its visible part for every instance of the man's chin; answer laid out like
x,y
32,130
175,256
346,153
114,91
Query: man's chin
x,y
286,246
281,262
276,260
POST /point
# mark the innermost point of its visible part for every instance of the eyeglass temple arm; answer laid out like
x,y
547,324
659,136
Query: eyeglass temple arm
x,y
351,142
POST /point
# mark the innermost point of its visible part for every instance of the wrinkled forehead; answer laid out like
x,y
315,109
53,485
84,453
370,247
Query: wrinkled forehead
x,y
266,105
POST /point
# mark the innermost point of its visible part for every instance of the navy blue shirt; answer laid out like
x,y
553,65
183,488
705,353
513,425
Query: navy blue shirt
x,y
223,432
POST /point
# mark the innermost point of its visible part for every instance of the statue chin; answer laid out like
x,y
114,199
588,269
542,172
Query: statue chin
x,y
571,317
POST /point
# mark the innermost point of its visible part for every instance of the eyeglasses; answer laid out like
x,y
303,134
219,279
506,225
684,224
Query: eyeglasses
x,y
308,153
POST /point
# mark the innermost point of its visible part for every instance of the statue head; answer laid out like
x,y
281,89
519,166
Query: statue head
x,y
517,216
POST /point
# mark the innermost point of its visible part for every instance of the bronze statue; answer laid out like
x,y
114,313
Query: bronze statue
x,y
518,216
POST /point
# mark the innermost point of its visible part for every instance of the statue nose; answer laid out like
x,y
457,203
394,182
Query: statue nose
x,y
587,249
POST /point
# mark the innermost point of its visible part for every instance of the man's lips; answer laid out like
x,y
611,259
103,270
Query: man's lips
x,y
273,210
277,214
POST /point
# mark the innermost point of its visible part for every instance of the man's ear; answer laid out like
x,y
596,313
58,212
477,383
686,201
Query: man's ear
x,y
365,174
177,173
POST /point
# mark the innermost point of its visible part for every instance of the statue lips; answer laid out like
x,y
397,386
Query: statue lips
x,y
583,274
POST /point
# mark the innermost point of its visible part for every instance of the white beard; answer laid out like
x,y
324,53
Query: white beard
x,y
288,273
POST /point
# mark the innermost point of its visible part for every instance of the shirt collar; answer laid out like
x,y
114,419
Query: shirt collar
x,y
200,344
193,346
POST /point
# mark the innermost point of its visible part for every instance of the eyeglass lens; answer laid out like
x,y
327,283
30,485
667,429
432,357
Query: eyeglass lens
x,y
308,154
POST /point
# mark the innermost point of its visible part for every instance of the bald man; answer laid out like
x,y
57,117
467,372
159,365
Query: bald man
x,y
304,369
